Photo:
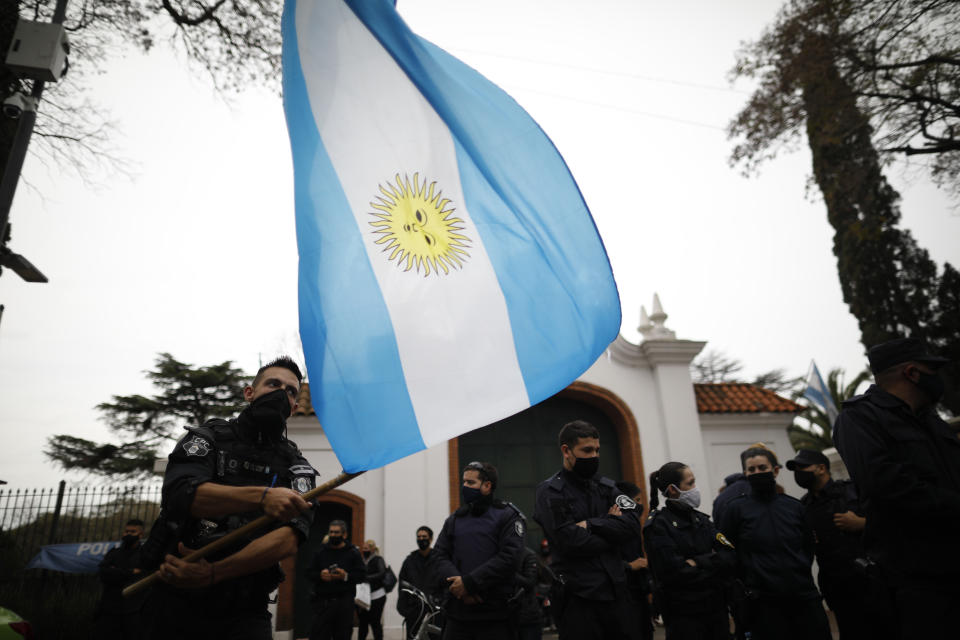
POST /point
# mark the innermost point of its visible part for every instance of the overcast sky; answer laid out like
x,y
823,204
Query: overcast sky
x,y
196,254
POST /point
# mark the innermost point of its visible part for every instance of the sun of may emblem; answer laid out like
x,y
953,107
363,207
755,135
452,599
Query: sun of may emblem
x,y
416,225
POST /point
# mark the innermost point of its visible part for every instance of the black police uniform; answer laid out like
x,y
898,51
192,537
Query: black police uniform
x,y
118,618
333,600
234,453
843,584
417,571
691,598
774,557
529,618
591,591
906,466
480,542
735,485
638,586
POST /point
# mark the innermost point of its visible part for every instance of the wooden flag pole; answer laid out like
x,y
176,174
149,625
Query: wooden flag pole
x,y
243,531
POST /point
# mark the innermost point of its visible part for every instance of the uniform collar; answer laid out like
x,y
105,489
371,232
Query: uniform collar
x,y
884,399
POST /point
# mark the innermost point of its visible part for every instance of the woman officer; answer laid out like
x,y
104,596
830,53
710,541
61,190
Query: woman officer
x,y
688,558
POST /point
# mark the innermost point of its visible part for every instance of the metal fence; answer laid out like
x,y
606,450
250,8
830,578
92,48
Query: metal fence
x,y
62,605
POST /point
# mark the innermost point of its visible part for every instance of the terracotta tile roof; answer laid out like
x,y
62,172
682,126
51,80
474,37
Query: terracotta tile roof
x,y
738,397
305,406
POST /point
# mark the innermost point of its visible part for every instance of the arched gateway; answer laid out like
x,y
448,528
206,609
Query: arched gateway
x,y
524,446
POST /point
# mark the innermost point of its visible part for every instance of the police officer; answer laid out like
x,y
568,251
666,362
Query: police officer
x,y
220,476
118,618
832,511
416,571
587,520
905,462
690,560
774,556
475,558
635,567
335,571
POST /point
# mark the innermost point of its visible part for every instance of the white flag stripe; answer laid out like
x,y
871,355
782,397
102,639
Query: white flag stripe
x,y
430,316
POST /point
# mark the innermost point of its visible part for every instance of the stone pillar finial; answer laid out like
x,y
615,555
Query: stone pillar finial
x,y
658,331
645,325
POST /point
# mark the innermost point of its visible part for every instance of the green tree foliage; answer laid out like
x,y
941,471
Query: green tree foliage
x,y
812,428
186,395
820,66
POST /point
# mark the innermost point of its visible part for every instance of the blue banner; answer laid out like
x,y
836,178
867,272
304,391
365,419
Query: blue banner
x,y
77,557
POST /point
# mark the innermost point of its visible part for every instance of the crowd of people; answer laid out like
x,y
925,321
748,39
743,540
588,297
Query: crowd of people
x,y
611,560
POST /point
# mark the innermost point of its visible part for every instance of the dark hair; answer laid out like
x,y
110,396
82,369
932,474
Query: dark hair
x,y
338,523
134,522
669,474
485,470
573,431
284,362
758,451
427,529
628,488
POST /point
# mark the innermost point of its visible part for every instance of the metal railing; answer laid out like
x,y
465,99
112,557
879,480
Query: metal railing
x,y
62,605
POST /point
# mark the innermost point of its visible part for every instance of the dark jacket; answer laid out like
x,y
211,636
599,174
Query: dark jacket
x,y
116,573
675,534
529,612
736,485
480,542
836,550
227,452
416,570
376,569
773,544
587,559
347,558
907,469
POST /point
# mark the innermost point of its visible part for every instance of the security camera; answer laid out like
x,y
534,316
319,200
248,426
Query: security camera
x,y
15,104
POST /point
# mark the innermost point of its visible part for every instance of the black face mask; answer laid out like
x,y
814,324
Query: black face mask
x,y
764,485
806,479
932,385
334,541
367,554
269,413
423,545
129,541
586,468
470,494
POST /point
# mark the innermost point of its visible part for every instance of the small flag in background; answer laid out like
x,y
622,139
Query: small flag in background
x,y
450,272
818,393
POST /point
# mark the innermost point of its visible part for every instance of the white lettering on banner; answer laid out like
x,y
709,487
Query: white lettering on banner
x,y
84,547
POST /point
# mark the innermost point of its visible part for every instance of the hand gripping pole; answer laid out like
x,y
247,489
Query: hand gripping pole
x,y
243,531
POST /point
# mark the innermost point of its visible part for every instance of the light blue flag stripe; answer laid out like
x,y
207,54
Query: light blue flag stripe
x,y
561,301
500,148
349,312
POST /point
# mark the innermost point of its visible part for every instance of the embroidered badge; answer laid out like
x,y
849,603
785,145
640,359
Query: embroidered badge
x,y
196,446
518,525
625,503
301,485
722,539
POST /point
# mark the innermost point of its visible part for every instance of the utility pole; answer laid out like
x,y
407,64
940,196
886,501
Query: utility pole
x,y
25,109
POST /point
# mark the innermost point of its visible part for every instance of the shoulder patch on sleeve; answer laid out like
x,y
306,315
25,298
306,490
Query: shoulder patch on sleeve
x,y
518,526
722,539
625,502
196,446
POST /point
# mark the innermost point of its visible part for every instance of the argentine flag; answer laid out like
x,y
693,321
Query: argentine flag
x,y
818,393
450,272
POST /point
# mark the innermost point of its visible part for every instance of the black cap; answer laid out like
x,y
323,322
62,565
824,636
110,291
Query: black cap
x,y
886,354
806,457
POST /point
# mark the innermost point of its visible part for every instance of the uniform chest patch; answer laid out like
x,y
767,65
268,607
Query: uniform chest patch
x,y
196,446
722,539
301,485
625,502
518,525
